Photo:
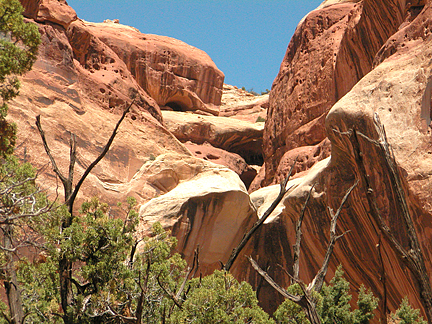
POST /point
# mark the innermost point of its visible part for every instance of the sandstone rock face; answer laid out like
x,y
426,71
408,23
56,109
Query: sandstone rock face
x,y
398,92
240,104
172,72
372,57
233,161
210,209
236,136
332,48
80,85
54,11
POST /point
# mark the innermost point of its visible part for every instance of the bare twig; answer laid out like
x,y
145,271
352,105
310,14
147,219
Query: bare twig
x,y
413,257
306,301
248,235
318,281
65,265
296,248
195,264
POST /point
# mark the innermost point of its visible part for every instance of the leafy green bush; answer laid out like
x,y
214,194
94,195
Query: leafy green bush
x,y
219,298
260,120
407,315
333,304
18,43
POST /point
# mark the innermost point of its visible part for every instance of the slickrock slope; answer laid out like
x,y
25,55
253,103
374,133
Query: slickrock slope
x,y
240,104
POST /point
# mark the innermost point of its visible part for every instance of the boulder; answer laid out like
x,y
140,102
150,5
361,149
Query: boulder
x,y
210,209
54,11
231,160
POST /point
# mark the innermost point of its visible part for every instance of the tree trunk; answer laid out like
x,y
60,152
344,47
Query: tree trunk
x,y
10,282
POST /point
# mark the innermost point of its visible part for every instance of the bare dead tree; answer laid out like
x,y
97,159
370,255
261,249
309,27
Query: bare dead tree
x,y
70,192
307,301
247,236
413,255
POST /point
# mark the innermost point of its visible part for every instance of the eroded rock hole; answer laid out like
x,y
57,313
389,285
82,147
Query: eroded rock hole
x,y
176,106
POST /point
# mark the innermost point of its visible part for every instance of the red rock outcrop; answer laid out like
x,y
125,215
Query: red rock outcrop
x,y
240,104
54,11
80,85
172,72
398,91
233,161
332,48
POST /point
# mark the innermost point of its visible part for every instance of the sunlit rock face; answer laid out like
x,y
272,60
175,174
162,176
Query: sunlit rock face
x,y
347,62
210,210
54,11
178,76
332,48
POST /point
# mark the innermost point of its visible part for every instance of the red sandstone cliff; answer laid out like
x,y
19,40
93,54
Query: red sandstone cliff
x,y
347,61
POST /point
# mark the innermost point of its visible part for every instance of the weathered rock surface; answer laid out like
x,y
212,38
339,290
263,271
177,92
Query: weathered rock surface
x,y
82,81
236,136
210,209
332,48
240,104
233,161
80,85
54,11
398,91
172,72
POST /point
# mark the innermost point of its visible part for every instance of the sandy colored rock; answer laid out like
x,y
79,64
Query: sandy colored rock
x,y
237,136
210,209
172,72
240,104
233,161
71,97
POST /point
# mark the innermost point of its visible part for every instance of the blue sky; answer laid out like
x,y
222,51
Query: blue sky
x,y
247,39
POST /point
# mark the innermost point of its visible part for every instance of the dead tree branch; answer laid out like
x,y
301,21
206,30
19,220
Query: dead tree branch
x,y
318,281
307,301
247,236
65,265
413,256
296,248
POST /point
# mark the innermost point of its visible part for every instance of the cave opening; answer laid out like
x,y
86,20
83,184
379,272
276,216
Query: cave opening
x,y
176,106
